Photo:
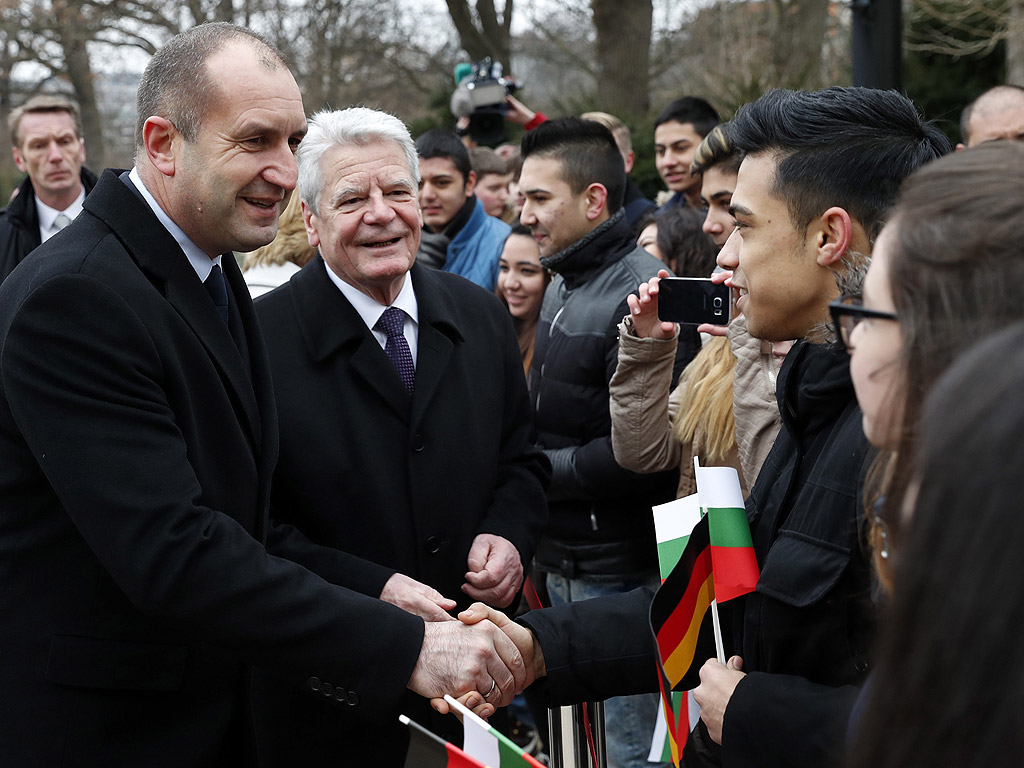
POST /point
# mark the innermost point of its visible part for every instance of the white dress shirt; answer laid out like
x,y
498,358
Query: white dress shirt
x,y
200,261
48,215
371,310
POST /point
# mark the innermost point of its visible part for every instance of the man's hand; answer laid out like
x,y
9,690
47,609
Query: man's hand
x,y
530,650
518,112
457,659
417,598
643,305
495,570
718,330
717,682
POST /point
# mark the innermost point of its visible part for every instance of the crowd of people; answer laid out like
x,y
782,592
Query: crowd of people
x,y
238,533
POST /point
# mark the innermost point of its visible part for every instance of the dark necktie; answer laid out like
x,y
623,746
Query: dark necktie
x,y
392,322
218,290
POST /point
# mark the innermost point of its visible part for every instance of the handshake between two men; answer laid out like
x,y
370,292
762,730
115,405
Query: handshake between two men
x,y
482,658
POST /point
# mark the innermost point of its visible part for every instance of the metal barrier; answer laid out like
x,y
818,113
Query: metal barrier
x,y
570,746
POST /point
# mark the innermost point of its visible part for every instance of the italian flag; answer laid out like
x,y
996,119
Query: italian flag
x,y
732,550
427,750
485,744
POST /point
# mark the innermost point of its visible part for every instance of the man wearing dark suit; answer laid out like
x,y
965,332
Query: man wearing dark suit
x,y
138,437
422,470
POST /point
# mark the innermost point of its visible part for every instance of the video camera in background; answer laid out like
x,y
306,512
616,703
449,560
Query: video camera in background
x,y
480,96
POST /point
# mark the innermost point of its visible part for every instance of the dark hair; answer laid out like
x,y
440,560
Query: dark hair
x,y
437,142
716,150
999,90
587,153
688,251
520,229
848,147
956,270
946,688
176,84
485,160
693,110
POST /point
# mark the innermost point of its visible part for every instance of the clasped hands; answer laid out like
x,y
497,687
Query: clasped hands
x,y
493,659
482,658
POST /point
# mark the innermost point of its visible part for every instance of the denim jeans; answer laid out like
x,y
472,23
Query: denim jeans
x,y
629,720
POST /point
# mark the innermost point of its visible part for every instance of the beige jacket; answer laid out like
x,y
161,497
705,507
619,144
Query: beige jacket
x,y
643,408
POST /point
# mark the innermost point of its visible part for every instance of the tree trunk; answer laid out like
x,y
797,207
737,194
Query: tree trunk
x,y
799,33
493,35
623,55
1015,44
71,36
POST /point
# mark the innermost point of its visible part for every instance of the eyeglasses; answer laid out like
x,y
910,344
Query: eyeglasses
x,y
847,314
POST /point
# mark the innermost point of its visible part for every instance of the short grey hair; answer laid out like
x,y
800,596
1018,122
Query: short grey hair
x,y
356,126
46,102
176,84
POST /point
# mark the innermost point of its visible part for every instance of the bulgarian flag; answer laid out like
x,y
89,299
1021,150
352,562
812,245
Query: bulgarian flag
x,y
677,612
427,750
485,744
732,550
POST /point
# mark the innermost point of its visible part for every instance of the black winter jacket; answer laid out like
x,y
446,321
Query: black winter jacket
x,y
600,514
19,224
810,622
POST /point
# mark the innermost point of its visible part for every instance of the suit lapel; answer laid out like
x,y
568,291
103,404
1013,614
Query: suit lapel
x,y
331,326
438,333
128,216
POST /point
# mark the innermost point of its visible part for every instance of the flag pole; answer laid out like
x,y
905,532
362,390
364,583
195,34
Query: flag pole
x,y
719,645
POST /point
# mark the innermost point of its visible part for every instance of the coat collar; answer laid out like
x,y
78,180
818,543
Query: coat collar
x,y
330,326
114,201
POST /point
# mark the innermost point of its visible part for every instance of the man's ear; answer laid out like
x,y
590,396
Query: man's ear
x,y
470,183
19,160
629,159
833,233
596,200
161,139
311,232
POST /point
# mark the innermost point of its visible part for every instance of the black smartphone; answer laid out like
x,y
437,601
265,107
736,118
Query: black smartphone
x,y
693,301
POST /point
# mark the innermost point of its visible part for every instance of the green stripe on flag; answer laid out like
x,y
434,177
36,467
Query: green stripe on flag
x,y
728,527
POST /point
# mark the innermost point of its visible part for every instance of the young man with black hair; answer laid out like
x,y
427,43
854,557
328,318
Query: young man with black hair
x,y
458,236
678,131
820,172
600,537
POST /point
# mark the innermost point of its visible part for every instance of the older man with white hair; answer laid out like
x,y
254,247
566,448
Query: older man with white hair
x,y
405,423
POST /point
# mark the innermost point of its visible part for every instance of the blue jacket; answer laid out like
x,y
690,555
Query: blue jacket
x,y
474,252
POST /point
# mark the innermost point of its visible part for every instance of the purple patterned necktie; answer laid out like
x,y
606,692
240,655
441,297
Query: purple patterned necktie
x,y
392,322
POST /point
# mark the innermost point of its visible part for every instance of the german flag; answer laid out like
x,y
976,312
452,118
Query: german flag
x,y
680,604
677,612
429,751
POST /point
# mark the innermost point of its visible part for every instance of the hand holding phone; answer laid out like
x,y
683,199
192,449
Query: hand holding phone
x,y
693,301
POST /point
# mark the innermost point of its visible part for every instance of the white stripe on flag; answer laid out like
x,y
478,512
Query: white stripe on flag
x,y
719,487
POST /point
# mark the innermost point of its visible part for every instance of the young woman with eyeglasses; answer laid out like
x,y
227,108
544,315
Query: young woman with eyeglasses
x,y
946,269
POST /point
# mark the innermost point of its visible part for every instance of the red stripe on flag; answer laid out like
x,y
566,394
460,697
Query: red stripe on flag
x,y
459,759
736,571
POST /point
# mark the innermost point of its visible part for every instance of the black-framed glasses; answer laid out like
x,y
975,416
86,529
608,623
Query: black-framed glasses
x,y
848,312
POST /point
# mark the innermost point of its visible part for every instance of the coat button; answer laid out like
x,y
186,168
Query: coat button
x,y
313,683
340,694
417,443
353,698
433,545
327,690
